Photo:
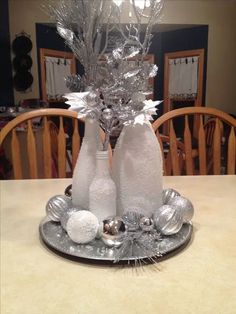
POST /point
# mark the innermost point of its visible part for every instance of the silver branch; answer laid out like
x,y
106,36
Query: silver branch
x,y
115,88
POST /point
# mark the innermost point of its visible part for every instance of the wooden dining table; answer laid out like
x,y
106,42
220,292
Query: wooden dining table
x,y
200,278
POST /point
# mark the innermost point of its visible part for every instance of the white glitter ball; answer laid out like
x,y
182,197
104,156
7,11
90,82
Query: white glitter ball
x,y
82,226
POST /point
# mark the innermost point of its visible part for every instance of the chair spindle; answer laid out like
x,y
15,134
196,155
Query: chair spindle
x,y
47,152
75,143
217,148
231,152
16,156
202,148
61,151
31,149
174,151
188,147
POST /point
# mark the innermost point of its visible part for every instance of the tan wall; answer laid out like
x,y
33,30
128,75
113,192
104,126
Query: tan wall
x,y
219,15
221,69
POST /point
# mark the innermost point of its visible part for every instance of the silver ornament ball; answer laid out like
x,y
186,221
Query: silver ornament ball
x,y
68,190
168,195
168,219
146,224
132,219
114,231
107,114
57,205
82,226
185,206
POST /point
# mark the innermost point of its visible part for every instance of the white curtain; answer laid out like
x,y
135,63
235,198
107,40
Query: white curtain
x,y
57,69
183,77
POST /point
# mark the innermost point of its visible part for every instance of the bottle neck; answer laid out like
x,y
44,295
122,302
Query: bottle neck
x,y
102,163
91,128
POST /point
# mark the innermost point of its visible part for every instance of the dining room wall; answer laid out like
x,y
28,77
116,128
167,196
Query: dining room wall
x,y
220,16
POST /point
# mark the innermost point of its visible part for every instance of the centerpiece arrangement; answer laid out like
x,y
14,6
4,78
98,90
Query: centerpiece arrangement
x,y
114,210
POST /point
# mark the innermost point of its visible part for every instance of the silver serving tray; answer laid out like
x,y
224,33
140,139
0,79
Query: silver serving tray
x,y
55,237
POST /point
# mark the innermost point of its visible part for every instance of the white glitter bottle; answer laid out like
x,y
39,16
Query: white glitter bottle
x,y
137,170
102,192
85,166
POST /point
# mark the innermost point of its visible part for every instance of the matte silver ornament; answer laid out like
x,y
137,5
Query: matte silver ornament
x,y
114,231
57,205
146,224
168,195
132,219
185,206
66,215
68,190
168,219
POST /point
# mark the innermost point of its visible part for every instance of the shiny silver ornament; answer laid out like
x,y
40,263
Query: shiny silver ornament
x,y
107,114
68,190
146,224
132,219
168,219
114,231
184,206
168,195
57,205
66,215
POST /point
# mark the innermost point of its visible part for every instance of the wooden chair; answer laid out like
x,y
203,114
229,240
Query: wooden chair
x,y
52,151
166,155
195,158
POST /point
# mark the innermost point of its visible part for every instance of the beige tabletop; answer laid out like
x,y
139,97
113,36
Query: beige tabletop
x,y
199,279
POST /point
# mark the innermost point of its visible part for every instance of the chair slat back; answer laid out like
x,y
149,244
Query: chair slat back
x,y
174,150
76,142
207,147
231,152
47,152
217,148
31,150
202,147
16,156
50,159
188,147
166,155
61,150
